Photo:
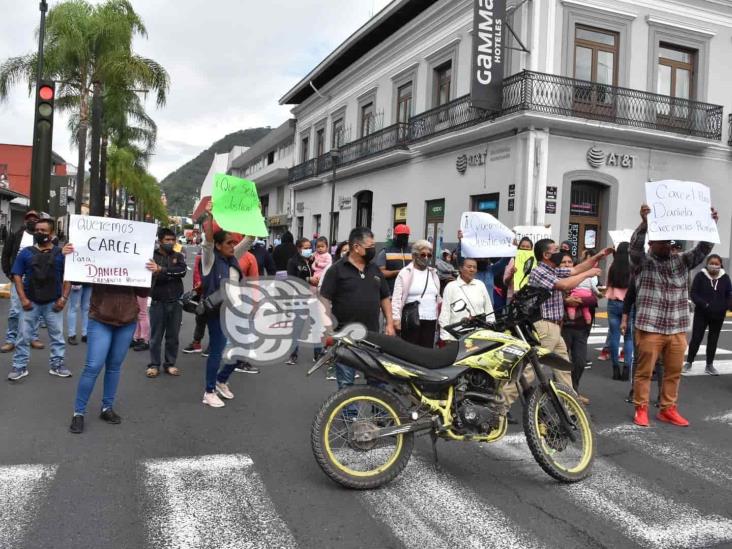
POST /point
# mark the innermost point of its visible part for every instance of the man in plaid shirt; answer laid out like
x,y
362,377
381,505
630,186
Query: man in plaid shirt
x,y
549,276
661,318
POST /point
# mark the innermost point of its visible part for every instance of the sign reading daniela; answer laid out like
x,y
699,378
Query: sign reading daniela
x,y
680,210
486,90
110,251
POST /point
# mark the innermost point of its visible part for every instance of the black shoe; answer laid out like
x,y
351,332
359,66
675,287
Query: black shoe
x,y
133,343
629,398
77,425
616,373
83,339
511,419
625,374
292,360
141,346
205,353
110,416
71,340
246,368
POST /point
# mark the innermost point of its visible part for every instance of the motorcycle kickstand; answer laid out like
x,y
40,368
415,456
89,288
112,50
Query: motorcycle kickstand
x,y
433,436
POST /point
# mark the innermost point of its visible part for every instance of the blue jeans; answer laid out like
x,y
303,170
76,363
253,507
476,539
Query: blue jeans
x,y
79,297
345,375
614,317
15,318
216,345
108,346
55,323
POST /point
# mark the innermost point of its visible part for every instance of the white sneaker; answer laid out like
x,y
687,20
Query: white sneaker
x,y
224,391
213,400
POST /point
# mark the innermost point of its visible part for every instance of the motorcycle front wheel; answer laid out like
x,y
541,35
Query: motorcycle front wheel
x,y
351,412
559,456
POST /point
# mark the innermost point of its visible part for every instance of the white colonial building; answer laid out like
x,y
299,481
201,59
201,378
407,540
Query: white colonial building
x,y
598,98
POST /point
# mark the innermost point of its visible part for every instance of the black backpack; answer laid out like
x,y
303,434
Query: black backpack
x,y
42,287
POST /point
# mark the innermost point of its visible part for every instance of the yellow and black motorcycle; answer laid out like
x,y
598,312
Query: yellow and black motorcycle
x,y
363,435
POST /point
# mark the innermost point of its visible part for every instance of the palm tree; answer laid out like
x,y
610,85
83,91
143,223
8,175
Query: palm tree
x,y
88,47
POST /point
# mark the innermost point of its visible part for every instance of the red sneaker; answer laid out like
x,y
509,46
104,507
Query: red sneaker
x,y
671,415
604,355
641,416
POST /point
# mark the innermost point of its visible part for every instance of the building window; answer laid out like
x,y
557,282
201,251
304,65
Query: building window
x,y
435,223
264,201
319,142
281,199
676,70
364,208
300,226
368,119
339,129
404,102
305,149
270,158
486,203
443,83
595,55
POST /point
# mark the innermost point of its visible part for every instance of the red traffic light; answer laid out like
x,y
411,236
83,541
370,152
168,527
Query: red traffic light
x,y
45,93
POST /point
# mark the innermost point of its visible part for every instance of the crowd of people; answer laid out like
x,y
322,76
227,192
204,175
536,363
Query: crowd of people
x,y
404,291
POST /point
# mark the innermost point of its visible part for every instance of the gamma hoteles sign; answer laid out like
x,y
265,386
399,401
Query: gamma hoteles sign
x,y
486,89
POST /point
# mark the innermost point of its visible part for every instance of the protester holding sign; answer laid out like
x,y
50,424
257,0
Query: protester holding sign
x,y
219,262
662,315
38,274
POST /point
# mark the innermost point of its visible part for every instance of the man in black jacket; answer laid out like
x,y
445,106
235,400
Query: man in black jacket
x,y
265,262
166,312
16,241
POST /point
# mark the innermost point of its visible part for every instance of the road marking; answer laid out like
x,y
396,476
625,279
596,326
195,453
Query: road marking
x,y
652,519
428,509
724,367
689,456
210,502
21,487
724,418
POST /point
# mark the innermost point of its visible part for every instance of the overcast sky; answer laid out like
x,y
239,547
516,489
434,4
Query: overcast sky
x,y
229,62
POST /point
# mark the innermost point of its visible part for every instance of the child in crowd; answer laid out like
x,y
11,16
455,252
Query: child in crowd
x,y
321,258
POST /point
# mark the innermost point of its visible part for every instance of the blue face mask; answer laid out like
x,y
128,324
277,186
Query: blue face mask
x,y
307,253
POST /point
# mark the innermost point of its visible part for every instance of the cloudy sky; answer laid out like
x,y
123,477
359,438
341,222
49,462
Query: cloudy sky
x,y
229,62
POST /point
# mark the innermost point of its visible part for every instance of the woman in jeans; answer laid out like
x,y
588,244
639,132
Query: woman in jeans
x,y
219,262
418,282
618,281
112,320
710,292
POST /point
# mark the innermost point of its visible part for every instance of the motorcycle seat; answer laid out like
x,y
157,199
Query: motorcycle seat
x,y
432,359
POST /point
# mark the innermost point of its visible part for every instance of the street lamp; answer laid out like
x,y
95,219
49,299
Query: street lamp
x,y
334,156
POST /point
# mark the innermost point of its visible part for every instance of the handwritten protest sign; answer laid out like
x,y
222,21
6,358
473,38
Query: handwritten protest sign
x,y
524,263
236,205
621,235
110,251
534,232
485,236
680,210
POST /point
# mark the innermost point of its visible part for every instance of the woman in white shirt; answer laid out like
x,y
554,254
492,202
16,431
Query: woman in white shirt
x,y
463,298
416,298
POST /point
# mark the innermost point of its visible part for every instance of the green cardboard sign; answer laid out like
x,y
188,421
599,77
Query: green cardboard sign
x,y
236,205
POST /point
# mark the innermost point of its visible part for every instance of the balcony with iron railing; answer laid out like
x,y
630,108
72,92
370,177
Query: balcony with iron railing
x,y
540,93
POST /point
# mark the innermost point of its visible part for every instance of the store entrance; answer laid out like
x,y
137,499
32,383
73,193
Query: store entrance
x,y
585,231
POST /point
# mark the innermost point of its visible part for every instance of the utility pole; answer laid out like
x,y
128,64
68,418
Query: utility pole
x,y
334,156
42,144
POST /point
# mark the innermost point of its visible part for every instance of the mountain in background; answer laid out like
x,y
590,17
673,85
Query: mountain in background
x,y
181,187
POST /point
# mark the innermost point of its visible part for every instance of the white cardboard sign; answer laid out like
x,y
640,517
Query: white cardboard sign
x,y
680,210
534,232
484,236
110,251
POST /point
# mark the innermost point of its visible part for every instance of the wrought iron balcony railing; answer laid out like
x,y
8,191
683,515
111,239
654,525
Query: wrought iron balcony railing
x,y
544,93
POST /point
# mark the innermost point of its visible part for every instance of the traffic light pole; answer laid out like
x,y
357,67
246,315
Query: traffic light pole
x,y
40,182
96,186
43,6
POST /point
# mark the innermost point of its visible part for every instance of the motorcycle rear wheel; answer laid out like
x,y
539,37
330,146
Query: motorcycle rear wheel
x,y
560,458
354,464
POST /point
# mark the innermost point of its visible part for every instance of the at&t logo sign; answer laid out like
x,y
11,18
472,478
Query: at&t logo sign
x,y
597,158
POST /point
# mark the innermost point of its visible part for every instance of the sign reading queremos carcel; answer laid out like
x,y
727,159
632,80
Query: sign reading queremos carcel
x,y
486,90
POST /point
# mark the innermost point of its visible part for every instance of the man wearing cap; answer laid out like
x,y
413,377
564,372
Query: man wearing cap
x,y
394,258
17,241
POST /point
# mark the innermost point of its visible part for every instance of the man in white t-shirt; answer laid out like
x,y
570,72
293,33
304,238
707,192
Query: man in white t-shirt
x,y
18,240
465,297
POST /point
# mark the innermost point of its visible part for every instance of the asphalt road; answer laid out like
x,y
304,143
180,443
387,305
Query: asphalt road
x,y
177,475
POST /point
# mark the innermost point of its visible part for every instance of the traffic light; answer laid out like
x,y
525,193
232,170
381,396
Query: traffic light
x,y
42,145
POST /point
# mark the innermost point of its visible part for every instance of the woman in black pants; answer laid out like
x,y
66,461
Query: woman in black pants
x,y
710,292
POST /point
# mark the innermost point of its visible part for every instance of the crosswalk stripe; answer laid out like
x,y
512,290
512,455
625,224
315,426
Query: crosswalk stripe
x,y
21,486
686,455
723,418
210,502
650,518
724,367
417,506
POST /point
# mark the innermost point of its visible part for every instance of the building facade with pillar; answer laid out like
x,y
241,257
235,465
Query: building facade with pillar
x,y
598,98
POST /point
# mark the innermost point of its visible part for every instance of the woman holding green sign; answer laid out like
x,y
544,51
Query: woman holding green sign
x,y
219,262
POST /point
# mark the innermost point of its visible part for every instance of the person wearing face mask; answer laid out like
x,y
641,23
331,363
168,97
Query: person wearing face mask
x,y
661,318
38,275
417,288
166,311
16,242
710,292
550,276
300,266
395,257
358,292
